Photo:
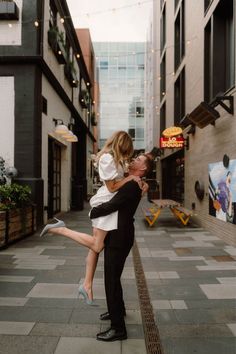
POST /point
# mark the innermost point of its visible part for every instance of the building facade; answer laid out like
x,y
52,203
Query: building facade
x,y
87,49
44,83
194,87
121,79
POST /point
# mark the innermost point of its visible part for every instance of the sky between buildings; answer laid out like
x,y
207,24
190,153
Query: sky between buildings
x,y
112,20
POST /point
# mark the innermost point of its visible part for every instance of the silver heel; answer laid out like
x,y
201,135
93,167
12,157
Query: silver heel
x,y
46,229
84,293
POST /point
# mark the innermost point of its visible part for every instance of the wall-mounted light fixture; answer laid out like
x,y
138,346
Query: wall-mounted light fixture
x,y
62,130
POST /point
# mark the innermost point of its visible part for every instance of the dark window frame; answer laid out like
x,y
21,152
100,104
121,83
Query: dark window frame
x,y
179,26
219,51
163,28
179,97
162,117
163,77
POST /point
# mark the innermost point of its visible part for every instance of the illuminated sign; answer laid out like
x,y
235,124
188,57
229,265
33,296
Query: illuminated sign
x,y
172,131
174,142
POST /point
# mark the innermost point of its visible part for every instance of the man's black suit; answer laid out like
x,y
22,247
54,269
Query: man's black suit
x,y
117,247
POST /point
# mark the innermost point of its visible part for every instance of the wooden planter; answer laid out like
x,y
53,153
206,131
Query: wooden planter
x,y
15,224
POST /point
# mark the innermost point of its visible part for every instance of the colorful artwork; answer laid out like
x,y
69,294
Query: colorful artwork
x,y
222,191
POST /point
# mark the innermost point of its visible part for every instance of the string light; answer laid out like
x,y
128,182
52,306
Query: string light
x,y
36,23
62,20
78,56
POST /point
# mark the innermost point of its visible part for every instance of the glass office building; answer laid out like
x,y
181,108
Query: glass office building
x,y
121,81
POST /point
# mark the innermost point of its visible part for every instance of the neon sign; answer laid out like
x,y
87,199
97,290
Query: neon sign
x,y
174,142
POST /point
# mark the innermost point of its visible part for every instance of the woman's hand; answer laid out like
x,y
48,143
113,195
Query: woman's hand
x,y
136,179
145,187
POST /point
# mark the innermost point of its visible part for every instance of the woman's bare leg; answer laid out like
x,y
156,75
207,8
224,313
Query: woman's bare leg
x,y
95,243
91,265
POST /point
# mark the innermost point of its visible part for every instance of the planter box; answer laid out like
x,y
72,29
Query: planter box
x,y
15,224
8,11
57,46
70,75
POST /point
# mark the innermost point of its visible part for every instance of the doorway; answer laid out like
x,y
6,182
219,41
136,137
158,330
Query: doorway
x,y
54,178
173,177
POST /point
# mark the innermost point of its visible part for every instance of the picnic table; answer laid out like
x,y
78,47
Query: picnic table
x,y
152,213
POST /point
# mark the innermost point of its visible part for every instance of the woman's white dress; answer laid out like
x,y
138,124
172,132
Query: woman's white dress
x,y
107,172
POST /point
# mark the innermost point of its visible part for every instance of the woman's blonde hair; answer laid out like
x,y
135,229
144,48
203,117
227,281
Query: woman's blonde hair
x,y
120,145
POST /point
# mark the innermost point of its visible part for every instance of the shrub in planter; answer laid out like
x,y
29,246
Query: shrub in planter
x,y
17,214
14,196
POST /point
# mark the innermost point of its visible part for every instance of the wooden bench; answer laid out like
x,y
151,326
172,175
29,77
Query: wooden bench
x,y
182,214
151,214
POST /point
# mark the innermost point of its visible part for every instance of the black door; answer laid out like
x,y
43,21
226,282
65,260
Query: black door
x,y
54,178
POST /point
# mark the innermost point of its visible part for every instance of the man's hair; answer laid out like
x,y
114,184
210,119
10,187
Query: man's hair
x,y
149,164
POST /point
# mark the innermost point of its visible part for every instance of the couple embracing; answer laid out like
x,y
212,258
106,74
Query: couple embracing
x,y
112,215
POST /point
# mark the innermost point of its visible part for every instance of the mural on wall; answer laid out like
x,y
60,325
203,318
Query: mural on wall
x,y
222,191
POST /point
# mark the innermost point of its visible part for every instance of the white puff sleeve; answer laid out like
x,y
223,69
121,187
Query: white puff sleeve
x,y
107,168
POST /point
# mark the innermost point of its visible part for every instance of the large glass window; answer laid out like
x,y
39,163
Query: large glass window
x,y
163,28
219,51
179,97
163,118
163,78
179,36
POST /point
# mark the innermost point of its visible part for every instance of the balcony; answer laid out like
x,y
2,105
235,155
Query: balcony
x,y
57,43
9,10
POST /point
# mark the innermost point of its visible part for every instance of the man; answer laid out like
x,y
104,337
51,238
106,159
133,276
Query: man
x,y
117,247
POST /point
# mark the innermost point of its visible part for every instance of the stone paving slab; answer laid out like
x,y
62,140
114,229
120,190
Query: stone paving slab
x,y
203,346
27,344
190,275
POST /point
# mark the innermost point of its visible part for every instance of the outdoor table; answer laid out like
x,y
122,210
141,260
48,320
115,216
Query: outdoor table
x,y
152,213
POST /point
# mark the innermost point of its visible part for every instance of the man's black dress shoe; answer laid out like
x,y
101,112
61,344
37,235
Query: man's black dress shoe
x,y
106,316
112,335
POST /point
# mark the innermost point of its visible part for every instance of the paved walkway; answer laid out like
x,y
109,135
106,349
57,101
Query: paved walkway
x,y
191,280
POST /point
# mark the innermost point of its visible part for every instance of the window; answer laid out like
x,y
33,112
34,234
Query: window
x,y
139,111
132,132
163,28
163,78
161,3
179,98
163,118
176,3
206,4
139,133
104,64
179,36
52,13
219,51
44,105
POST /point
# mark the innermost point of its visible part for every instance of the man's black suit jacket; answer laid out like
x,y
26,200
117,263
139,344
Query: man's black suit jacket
x,y
126,202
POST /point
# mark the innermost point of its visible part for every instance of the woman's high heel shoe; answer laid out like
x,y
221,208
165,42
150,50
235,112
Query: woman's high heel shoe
x,y
84,293
47,228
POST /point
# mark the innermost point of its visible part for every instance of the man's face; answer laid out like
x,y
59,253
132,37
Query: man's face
x,y
138,164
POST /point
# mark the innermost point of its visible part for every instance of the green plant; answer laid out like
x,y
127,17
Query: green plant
x,y
14,196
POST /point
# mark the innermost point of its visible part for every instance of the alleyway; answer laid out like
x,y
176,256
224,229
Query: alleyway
x,y
190,276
